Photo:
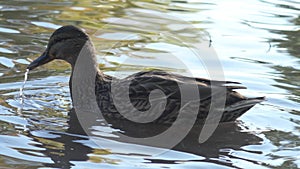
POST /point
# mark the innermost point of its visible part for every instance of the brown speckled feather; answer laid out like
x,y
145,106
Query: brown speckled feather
x,y
142,83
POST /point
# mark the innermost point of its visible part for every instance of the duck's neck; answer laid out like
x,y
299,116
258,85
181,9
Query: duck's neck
x,y
84,68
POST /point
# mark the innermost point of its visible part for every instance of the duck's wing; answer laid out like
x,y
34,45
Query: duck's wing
x,y
140,86
169,82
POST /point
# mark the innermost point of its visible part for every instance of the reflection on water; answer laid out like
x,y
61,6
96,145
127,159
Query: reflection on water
x,y
257,43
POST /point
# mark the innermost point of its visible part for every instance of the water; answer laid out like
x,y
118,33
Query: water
x,y
22,95
257,44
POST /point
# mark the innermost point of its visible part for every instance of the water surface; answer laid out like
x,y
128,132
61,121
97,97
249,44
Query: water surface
x,y
257,44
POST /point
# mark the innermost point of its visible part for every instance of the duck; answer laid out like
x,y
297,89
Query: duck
x,y
201,95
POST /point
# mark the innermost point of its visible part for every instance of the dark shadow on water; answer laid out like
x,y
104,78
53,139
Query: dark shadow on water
x,y
64,147
67,146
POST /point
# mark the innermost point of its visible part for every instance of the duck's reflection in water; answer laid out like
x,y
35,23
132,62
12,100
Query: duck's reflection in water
x,y
73,145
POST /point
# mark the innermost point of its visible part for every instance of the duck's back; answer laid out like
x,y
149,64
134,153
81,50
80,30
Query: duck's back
x,y
112,97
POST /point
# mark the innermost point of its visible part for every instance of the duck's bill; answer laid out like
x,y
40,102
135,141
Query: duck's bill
x,y
43,59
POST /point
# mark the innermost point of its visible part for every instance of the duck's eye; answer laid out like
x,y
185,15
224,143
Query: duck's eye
x,y
59,40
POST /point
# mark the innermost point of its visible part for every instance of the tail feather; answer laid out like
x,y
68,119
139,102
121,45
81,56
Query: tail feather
x,y
244,104
237,109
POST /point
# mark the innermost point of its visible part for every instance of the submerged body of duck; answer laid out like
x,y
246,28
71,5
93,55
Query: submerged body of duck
x,y
66,44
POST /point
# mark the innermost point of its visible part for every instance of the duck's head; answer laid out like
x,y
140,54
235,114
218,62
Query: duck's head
x,y
65,44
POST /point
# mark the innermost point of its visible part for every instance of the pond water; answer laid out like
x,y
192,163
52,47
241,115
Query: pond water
x,y
257,43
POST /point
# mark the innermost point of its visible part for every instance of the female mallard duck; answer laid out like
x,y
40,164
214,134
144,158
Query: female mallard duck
x,y
66,44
